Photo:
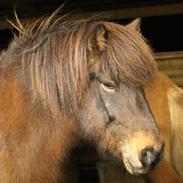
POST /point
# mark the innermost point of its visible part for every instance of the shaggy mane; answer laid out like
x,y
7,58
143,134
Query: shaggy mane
x,y
57,56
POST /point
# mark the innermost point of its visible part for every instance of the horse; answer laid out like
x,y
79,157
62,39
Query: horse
x,y
166,102
62,81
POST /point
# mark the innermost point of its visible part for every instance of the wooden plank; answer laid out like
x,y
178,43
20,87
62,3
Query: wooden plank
x,y
174,73
160,56
178,81
169,64
116,14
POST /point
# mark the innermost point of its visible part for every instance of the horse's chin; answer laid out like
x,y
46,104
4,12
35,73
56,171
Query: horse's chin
x,y
126,161
134,168
132,163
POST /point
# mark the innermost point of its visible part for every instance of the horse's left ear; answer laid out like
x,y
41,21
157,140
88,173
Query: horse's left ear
x,y
135,24
97,44
101,38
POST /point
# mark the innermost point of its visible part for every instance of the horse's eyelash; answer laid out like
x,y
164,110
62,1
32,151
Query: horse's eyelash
x,y
107,83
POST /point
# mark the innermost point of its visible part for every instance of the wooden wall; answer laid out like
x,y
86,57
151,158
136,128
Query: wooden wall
x,y
171,64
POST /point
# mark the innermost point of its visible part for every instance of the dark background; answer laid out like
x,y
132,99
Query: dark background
x,y
163,32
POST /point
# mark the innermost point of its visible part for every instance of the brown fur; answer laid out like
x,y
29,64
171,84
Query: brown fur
x,y
24,135
157,97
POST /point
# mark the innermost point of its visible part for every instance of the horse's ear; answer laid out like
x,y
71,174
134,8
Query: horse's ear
x,y
135,24
97,44
101,38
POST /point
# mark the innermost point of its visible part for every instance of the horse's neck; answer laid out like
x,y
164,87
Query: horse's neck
x,y
13,100
21,117
17,98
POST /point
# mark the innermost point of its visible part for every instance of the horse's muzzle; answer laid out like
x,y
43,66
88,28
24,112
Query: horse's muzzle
x,y
150,157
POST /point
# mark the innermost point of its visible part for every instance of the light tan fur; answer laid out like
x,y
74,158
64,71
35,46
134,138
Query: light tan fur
x,y
175,101
166,102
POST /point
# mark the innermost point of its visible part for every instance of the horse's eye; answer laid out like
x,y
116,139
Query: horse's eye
x,y
109,87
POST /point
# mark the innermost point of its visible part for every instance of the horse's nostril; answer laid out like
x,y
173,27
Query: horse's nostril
x,y
147,156
150,158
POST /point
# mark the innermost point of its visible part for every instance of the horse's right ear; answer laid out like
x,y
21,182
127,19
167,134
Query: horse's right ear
x,y
135,24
